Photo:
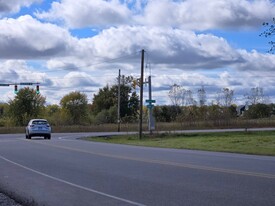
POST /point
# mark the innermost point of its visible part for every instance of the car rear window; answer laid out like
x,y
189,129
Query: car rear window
x,y
39,122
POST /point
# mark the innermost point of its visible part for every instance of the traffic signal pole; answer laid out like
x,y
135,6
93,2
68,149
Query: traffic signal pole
x,y
22,84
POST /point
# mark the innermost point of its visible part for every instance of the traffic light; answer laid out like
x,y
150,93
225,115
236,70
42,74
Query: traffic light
x,y
37,89
15,89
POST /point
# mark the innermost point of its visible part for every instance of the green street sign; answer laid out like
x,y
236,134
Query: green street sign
x,y
150,101
26,83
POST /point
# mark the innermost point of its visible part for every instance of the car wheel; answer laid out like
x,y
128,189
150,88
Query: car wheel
x,y
28,136
47,137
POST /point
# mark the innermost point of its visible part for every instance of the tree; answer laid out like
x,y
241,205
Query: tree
x,y
225,97
26,105
256,111
166,113
53,114
202,96
103,100
189,100
269,32
107,99
75,106
129,100
4,107
256,96
177,95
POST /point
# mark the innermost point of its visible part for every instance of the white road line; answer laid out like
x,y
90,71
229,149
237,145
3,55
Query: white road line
x,y
72,184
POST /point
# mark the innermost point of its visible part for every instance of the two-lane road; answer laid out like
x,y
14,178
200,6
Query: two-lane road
x,y
67,171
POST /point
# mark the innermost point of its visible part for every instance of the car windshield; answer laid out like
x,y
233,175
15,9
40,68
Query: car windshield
x,y
39,122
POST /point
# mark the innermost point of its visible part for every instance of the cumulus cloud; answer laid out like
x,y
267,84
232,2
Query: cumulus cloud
x,y
166,46
7,71
13,6
204,15
18,71
257,61
78,79
189,14
83,13
27,38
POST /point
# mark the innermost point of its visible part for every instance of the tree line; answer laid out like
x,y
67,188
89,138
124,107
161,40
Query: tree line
x,y
74,108
180,96
188,106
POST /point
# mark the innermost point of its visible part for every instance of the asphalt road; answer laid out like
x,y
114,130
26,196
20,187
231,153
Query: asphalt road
x,y
67,171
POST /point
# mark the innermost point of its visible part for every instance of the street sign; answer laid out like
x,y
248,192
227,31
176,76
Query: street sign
x,y
150,101
4,85
26,83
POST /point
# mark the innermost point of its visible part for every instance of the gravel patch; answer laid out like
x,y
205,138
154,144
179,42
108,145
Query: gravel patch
x,y
6,201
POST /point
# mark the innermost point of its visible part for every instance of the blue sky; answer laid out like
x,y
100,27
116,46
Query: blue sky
x,y
70,45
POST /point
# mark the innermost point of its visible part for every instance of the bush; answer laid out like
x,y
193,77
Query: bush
x,y
257,111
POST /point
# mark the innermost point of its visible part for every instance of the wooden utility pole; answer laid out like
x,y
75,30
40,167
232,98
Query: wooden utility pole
x,y
141,94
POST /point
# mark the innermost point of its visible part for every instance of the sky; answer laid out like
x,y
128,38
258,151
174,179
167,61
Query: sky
x,y
69,45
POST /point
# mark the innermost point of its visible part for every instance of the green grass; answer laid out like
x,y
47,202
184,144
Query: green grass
x,y
260,143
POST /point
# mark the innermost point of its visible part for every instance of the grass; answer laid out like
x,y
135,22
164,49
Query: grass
x,y
260,143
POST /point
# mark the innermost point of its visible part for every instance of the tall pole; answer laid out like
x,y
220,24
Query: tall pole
x,y
141,94
118,103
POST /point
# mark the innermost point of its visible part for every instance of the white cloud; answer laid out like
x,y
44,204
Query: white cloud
x,y
83,13
257,61
27,38
7,71
204,15
17,71
189,14
78,79
172,47
13,6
